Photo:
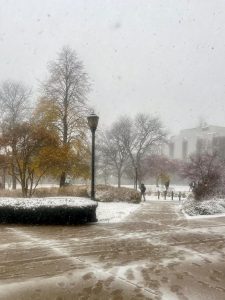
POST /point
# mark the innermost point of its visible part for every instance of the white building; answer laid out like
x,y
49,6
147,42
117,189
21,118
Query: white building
x,y
196,140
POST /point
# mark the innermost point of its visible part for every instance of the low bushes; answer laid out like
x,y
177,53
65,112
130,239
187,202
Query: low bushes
x,y
59,211
108,193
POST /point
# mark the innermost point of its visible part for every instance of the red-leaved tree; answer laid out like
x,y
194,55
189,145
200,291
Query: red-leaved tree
x,y
205,171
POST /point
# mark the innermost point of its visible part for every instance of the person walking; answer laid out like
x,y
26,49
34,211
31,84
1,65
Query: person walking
x,y
179,196
143,189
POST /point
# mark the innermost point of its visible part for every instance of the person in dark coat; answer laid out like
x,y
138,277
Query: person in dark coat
x,y
143,190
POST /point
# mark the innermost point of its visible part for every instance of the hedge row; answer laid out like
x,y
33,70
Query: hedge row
x,y
58,215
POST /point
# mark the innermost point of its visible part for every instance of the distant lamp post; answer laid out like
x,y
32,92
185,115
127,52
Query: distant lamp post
x,y
93,123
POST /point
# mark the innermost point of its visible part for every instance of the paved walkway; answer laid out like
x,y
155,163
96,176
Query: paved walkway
x,y
155,254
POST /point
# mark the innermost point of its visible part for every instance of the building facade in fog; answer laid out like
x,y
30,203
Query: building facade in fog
x,y
196,140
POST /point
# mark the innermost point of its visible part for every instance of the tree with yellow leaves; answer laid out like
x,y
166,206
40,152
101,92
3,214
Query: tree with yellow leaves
x,y
74,156
34,153
63,107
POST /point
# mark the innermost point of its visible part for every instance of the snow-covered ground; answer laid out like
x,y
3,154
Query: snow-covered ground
x,y
113,212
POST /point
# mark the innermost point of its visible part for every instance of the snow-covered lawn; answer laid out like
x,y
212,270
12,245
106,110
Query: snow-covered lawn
x,y
113,212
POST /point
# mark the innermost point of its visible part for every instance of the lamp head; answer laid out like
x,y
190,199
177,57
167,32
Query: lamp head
x,y
93,121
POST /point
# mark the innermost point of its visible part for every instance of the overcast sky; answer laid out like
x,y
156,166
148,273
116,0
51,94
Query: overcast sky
x,y
162,57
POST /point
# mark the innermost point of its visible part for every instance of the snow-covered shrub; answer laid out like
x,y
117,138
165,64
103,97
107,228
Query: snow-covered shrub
x,y
203,207
108,193
57,211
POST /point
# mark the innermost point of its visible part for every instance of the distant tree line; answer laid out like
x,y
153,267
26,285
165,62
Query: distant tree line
x,y
133,148
50,138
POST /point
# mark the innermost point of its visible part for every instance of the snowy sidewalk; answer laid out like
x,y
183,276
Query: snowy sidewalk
x,y
155,253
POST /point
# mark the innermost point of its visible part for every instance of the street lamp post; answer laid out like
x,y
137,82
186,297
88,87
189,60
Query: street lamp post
x,y
93,123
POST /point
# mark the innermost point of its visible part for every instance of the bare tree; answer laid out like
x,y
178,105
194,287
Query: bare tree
x,y
129,141
14,101
103,165
66,90
113,150
140,137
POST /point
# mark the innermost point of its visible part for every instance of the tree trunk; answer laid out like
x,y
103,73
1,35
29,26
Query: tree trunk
x,y
24,192
62,179
13,175
136,178
24,189
13,167
13,181
119,179
65,139
3,177
105,178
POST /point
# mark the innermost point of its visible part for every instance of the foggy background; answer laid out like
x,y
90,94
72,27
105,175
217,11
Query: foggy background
x,y
161,57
